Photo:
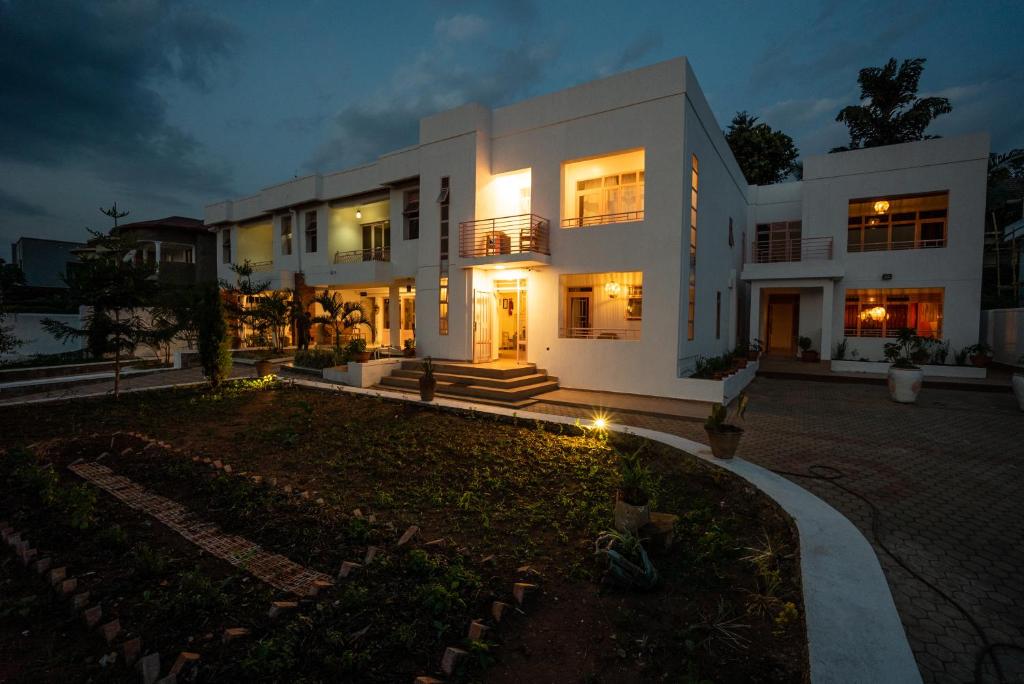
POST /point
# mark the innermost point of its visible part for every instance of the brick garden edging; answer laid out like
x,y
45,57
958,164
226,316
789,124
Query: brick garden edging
x,y
274,569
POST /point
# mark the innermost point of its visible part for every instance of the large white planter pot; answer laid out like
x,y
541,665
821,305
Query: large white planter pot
x,y
1018,389
904,384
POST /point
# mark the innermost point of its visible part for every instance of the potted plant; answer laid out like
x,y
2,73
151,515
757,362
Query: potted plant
x,y
357,350
981,354
725,437
1018,383
409,349
904,378
754,350
428,383
632,498
628,563
807,355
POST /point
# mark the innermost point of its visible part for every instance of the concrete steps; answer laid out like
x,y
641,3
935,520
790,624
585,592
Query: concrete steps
x,y
513,386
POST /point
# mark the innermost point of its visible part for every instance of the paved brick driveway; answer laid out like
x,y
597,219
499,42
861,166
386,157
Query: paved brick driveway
x,y
947,475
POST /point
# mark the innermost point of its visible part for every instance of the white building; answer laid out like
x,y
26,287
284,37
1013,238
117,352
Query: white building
x,y
606,234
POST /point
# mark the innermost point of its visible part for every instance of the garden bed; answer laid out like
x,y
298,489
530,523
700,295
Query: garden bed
x,y
504,495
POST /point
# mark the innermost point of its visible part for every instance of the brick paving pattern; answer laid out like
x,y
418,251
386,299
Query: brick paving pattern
x,y
946,475
274,569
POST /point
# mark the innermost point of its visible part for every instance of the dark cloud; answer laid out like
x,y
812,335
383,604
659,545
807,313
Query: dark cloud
x,y
441,78
15,206
645,44
80,87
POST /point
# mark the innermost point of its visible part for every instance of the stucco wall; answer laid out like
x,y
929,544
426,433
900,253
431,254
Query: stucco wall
x,y
1003,330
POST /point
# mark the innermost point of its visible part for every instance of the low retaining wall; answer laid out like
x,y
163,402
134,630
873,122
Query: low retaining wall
x,y
362,374
930,371
718,391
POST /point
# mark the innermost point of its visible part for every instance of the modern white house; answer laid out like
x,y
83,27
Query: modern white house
x,y
605,233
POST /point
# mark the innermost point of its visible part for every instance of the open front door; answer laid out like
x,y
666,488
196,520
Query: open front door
x,y
483,336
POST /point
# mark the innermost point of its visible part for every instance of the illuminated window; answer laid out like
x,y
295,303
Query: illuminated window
x,y
901,222
443,305
602,306
387,315
602,190
691,309
310,231
882,313
408,313
444,199
226,246
286,235
411,214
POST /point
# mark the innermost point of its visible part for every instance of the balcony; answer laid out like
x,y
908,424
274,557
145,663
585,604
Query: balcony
x,y
262,266
809,257
356,256
521,240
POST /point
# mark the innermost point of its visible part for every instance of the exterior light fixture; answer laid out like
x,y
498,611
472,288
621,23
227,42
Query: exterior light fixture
x,y
600,423
881,206
612,289
359,213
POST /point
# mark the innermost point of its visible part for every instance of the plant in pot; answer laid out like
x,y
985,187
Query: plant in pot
x,y
1018,383
981,354
754,350
904,378
356,349
807,355
409,348
723,436
633,497
628,563
428,383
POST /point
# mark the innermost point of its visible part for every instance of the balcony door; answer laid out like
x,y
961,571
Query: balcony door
x,y
377,241
778,242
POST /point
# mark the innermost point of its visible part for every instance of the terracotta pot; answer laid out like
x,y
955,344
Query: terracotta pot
x,y
981,360
409,353
905,384
810,356
724,442
1018,389
362,357
427,387
741,363
264,368
629,517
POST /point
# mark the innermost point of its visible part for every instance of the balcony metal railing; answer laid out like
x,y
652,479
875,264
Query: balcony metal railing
x,y
506,235
887,245
600,333
603,219
262,266
781,251
359,255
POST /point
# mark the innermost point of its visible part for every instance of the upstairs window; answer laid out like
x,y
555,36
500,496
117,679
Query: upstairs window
x,y
286,235
225,241
411,215
310,231
603,190
900,222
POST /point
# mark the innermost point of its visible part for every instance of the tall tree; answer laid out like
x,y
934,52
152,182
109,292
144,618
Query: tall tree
x,y
116,292
209,318
891,111
241,297
765,155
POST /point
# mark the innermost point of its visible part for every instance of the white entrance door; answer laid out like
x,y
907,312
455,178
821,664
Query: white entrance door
x,y
483,341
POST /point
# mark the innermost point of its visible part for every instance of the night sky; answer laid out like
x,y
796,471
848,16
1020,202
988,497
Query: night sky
x,y
167,106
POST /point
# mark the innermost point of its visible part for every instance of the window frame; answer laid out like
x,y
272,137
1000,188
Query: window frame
x,y
311,232
288,237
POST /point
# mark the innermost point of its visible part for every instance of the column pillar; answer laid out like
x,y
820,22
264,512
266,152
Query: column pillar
x,y
394,314
827,308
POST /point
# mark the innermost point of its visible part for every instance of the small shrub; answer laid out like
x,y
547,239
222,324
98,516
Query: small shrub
x,y
319,359
149,562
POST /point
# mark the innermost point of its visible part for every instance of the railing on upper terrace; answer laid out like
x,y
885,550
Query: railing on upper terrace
x,y
359,255
780,251
261,266
506,235
600,333
603,219
886,245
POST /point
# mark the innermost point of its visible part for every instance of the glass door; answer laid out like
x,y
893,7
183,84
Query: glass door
x,y
377,241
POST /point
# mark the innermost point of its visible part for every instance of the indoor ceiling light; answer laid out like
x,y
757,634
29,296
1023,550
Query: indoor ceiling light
x,y
611,289
875,313
881,206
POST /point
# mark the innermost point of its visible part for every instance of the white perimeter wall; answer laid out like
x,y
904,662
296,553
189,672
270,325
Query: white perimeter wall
x,y
1003,330
28,328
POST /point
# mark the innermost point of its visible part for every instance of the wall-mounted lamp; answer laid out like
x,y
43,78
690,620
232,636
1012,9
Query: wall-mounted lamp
x,y
359,213
612,289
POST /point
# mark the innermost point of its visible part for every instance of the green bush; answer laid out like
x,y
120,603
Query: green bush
x,y
214,341
320,358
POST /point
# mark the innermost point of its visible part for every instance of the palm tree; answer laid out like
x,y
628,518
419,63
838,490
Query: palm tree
x,y
272,313
340,315
893,112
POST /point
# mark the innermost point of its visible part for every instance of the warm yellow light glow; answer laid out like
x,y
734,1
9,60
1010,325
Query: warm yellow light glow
x,y
600,423
875,313
359,213
510,193
612,289
499,267
881,206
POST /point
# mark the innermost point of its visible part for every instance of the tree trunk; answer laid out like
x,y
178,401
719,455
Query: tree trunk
x,y
117,354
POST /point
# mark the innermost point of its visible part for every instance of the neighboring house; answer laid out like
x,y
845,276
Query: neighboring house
x,y
606,234
44,262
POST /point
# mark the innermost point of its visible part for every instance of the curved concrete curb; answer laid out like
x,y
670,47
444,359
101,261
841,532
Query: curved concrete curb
x,y
854,633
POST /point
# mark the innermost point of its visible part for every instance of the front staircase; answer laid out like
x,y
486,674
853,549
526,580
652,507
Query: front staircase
x,y
513,386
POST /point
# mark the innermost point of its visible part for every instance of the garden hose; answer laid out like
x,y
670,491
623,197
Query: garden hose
x,y
832,475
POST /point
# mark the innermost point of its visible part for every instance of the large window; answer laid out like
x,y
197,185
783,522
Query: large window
x,y
882,313
602,306
225,241
286,235
608,189
691,309
444,199
904,222
310,231
411,214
